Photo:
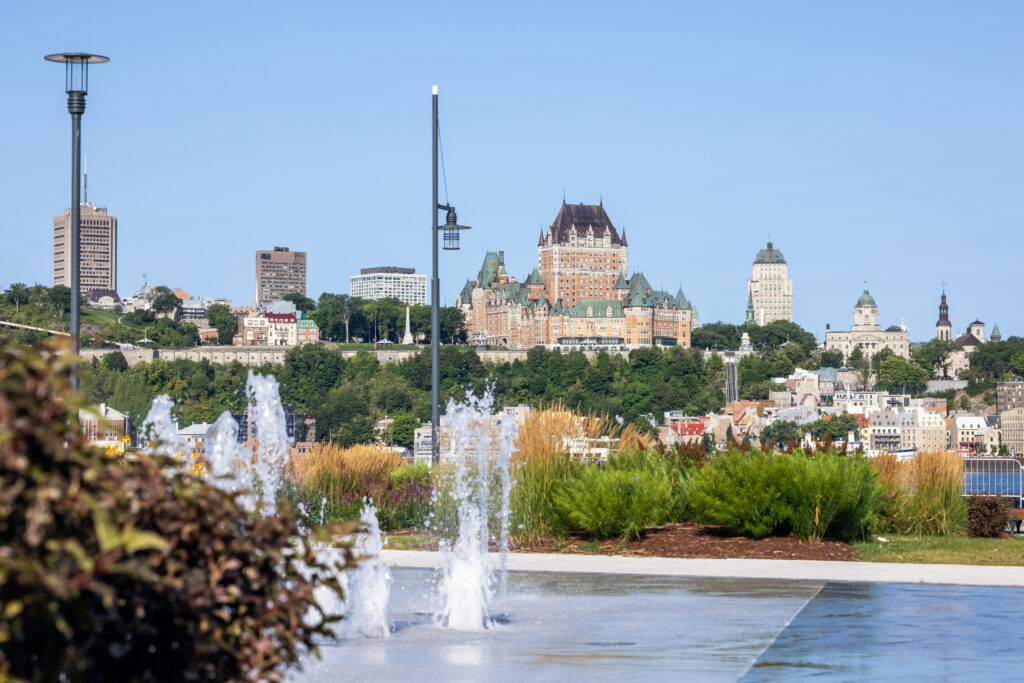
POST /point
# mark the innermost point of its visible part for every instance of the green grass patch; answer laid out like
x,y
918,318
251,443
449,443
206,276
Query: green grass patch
x,y
408,541
1004,551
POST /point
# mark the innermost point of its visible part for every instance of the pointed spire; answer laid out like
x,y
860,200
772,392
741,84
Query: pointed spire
x,y
541,240
996,335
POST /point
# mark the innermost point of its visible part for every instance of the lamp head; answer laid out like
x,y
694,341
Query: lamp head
x,y
452,229
76,80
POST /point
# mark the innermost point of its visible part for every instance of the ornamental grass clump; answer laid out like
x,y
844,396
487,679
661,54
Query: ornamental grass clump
x,y
759,494
542,464
130,569
922,496
609,503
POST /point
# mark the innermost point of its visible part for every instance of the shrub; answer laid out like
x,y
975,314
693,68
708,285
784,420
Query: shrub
x,y
987,516
609,502
740,490
677,466
757,494
131,570
534,512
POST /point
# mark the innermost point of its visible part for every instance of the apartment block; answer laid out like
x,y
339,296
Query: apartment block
x,y
390,282
279,272
97,249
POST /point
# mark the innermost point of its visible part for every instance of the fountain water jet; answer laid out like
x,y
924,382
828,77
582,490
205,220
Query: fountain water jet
x,y
370,583
478,452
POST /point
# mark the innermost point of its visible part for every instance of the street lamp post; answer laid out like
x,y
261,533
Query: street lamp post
x,y
76,81
451,243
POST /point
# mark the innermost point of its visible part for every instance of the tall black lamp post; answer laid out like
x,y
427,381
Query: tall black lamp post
x,y
451,230
76,81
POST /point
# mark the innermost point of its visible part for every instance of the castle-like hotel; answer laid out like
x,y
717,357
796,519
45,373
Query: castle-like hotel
x,y
577,297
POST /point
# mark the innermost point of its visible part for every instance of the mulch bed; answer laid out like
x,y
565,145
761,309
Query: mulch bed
x,y
698,540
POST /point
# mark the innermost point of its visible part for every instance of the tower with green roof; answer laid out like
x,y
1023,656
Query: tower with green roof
x,y
769,289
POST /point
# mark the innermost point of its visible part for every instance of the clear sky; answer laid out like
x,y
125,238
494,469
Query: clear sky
x,y
873,141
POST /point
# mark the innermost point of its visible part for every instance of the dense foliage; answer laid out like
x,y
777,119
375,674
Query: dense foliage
x,y
347,396
114,569
987,516
757,494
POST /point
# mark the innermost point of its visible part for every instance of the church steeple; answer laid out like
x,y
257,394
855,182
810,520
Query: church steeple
x,y
943,328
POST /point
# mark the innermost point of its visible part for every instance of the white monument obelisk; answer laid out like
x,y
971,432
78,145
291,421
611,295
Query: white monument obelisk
x,y
407,338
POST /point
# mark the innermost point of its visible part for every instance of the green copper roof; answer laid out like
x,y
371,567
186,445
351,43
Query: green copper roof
x,y
599,308
621,283
770,255
306,323
535,278
489,270
866,300
995,336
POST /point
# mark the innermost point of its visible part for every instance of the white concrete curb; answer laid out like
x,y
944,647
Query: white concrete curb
x,y
794,570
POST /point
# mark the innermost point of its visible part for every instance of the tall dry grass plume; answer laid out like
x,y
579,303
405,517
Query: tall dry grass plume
x,y
923,495
546,433
328,461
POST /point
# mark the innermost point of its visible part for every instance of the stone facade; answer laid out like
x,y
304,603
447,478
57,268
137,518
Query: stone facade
x,y
868,334
578,297
769,289
1012,426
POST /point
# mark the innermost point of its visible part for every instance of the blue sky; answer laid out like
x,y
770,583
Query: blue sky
x,y
873,141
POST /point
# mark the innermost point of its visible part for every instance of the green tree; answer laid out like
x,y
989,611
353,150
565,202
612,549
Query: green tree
x,y
165,301
831,358
301,301
115,362
60,298
861,365
225,322
403,426
18,293
895,373
452,323
780,433
934,356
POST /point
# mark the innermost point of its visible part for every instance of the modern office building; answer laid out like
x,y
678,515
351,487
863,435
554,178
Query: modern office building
x,y
769,289
97,249
390,282
279,272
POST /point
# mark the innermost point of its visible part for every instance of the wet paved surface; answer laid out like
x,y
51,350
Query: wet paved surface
x,y
560,627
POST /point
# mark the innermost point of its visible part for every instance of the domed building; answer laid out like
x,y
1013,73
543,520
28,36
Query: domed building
x,y
867,333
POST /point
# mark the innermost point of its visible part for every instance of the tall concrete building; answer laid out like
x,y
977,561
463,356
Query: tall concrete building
x,y
769,289
390,282
97,249
279,272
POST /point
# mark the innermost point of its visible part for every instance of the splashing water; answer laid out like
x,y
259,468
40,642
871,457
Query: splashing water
x,y
476,456
257,475
271,432
370,583
161,432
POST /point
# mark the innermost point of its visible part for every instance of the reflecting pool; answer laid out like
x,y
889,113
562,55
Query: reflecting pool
x,y
558,627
